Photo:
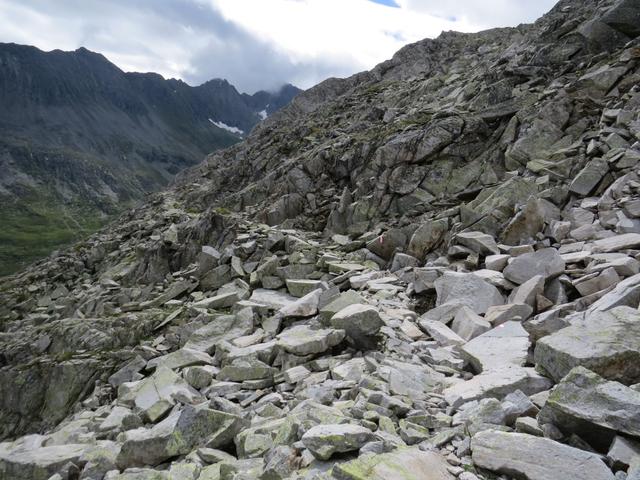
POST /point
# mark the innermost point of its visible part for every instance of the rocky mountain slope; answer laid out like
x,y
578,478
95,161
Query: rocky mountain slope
x,y
428,271
80,140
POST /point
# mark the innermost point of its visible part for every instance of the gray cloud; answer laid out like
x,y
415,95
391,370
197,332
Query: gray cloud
x,y
190,39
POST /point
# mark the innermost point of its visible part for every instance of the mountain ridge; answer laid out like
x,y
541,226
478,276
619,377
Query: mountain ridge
x,y
81,139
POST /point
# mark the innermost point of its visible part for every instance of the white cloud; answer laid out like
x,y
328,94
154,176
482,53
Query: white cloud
x,y
356,32
482,13
252,43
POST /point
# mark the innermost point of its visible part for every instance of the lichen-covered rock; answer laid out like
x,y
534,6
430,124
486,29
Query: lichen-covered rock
x,y
535,458
325,440
593,408
302,340
608,343
403,464
178,434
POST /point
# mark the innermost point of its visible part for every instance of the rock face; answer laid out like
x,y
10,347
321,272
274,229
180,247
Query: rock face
x,y
535,458
385,280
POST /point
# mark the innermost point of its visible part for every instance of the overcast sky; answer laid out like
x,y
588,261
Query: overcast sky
x,y
255,44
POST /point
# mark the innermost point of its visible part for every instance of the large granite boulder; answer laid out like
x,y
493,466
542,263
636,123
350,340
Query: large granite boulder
x,y
546,262
467,289
607,343
38,462
401,464
178,434
586,404
325,440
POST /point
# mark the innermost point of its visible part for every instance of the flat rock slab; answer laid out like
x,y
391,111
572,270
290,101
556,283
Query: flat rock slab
x,y
626,293
350,297
442,334
507,344
607,343
592,407
299,288
402,464
303,340
619,242
271,298
496,384
37,463
479,242
360,322
467,289
535,458
154,396
223,327
325,440
304,306
177,435
184,357
546,262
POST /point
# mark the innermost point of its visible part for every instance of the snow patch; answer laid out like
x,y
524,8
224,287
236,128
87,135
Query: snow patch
x,y
228,128
263,114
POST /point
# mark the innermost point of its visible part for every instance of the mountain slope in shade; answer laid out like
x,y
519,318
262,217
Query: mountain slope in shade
x,y
80,139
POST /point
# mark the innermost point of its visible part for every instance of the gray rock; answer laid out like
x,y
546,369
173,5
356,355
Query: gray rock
x,y
607,343
427,237
401,464
509,312
626,293
178,434
156,395
184,357
468,325
305,306
617,242
467,289
343,300
504,345
402,260
546,262
302,340
120,418
496,262
386,244
623,452
271,298
478,242
442,334
301,287
528,292
325,440
590,406
129,372
589,177
39,463
624,17
496,383
535,458
358,321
